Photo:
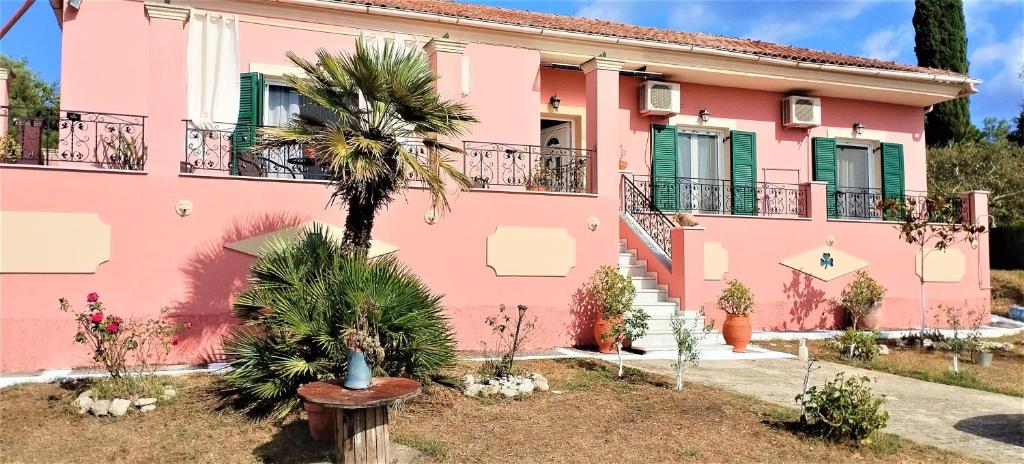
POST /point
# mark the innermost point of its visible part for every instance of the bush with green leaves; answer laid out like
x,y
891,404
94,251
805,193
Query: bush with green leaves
x,y
736,299
302,299
844,409
861,296
854,345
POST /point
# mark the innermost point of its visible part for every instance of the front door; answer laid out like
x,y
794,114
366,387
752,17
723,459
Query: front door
x,y
557,155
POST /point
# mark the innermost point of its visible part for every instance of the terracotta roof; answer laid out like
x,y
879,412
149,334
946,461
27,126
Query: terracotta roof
x,y
613,29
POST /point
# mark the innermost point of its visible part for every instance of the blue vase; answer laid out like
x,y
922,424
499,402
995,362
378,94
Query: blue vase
x,y
358,375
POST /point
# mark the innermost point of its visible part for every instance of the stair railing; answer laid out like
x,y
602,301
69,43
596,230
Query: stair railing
x,y
640,207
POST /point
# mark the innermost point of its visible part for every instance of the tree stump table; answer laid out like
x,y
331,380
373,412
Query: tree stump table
x,y
361,416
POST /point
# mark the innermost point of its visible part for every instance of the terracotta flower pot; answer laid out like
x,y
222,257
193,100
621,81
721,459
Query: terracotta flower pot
x,y
603,326
736,332
321,422
871,320
536,188
623,164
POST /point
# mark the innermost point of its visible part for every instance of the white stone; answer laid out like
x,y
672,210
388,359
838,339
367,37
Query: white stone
x,y
86,394
119,407
538,376
147,408
169,393
509,391
83,403
489,390
100,407
541,384
145,402
473,389
526,387
882,349
927,343
468,380
492,382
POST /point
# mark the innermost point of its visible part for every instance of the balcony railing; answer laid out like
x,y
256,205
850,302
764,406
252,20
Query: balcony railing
x,y
866,203
717,196
230,148
533,166
638,205
50,136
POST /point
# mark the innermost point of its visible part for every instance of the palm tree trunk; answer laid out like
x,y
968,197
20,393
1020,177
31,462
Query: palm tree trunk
x,y
359,223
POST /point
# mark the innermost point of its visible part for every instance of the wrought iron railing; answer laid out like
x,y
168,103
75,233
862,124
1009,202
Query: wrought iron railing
x,y
638,205
717,196
233,148
531,166
50,136
869,203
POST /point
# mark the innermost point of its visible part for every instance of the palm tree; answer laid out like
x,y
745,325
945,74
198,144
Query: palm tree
x,y
374,102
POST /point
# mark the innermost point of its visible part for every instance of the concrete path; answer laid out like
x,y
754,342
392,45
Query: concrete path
x,y
986,425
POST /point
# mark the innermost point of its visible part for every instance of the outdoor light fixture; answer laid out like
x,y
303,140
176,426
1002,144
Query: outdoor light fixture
x,y
858,128
555,101
522,310
704,115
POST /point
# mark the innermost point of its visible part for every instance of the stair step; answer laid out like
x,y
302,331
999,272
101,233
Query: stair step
x,y
645,283
650,295
626,259
634,270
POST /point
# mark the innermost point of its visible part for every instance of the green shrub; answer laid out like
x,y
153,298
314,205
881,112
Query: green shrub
x,y
302,299
736,299
844,408
861,296
855,345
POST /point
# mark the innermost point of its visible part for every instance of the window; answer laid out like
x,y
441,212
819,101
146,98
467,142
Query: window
x,y
702,171
282,105
858,180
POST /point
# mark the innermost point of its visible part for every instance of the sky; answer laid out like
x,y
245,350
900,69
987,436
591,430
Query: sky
x,y
873,28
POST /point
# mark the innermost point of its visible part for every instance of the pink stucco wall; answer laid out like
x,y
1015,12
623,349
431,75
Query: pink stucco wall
x,y
159,259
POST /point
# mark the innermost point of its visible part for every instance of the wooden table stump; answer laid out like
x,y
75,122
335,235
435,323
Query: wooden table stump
x,y
361,416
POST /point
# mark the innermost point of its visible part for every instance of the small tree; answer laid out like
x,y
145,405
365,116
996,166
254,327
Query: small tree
x,y
736,299
861,296
959,344
616,293
687,345
933,226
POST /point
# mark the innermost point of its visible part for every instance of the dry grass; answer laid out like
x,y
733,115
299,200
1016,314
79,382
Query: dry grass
x,y
595,419
1007,289
1005,375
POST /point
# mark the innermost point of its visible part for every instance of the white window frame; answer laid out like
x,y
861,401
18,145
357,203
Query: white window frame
x,y
724,159
267,82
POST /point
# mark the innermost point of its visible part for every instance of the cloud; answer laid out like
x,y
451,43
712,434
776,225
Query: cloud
x,y
889,43
811,19
999,64
609,10
695,17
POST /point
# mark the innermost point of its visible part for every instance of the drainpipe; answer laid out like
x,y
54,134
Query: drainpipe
x,y
17,15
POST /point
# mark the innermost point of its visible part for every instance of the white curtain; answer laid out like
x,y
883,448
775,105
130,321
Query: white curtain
x,y
852,167
212,67
282,105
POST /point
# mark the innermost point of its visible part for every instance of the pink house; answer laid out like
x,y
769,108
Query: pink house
x,y
781,155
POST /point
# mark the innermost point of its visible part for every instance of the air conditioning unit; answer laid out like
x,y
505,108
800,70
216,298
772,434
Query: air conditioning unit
x,y
659,98
801,112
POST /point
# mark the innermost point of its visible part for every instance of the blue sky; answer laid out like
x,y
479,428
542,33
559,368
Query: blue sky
x,y
874,28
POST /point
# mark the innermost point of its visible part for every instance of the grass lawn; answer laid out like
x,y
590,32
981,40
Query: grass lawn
x,y
1007,289
1005,375
595,419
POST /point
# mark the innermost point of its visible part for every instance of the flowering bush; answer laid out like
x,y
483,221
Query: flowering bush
x,y
844,408
115,341
855,345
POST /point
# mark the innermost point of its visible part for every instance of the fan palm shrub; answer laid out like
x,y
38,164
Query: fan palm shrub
x,y
302,299
375,103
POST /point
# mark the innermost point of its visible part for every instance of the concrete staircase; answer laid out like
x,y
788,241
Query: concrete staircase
x,y
653,299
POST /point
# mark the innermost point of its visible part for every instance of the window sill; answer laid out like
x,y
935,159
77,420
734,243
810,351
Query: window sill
x,y
71,169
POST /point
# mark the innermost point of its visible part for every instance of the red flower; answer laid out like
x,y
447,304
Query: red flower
x,y
111,327
96,317
116,320
174,341
93,297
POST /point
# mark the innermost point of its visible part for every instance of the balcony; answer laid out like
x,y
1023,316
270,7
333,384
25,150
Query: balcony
x,y
718,196
866,203
54,137
229,149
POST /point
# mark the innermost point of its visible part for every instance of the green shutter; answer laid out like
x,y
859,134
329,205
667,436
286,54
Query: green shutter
x,y
825,170
743,146
664,167
892,173
250,115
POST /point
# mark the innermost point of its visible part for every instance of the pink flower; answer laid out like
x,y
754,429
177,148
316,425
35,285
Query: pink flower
x,y
111,327
96,318
93,297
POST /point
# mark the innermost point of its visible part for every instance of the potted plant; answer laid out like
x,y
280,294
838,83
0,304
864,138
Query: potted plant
x,y
862,299
623,164
737,302
614,293
540,179
984,353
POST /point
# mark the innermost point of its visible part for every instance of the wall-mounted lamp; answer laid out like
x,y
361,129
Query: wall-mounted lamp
x,y
704,115
555,102
858,128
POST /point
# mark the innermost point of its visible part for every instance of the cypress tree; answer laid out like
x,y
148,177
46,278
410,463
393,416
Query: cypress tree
x,y
941,42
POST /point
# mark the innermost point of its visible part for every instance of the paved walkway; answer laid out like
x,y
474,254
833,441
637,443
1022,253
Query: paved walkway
x,y
987,425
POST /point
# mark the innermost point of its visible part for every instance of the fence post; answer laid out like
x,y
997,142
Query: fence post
x,y
974,210
5,76
817,200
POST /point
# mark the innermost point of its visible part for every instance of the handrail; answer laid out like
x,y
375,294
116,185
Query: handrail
x,y
646,214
